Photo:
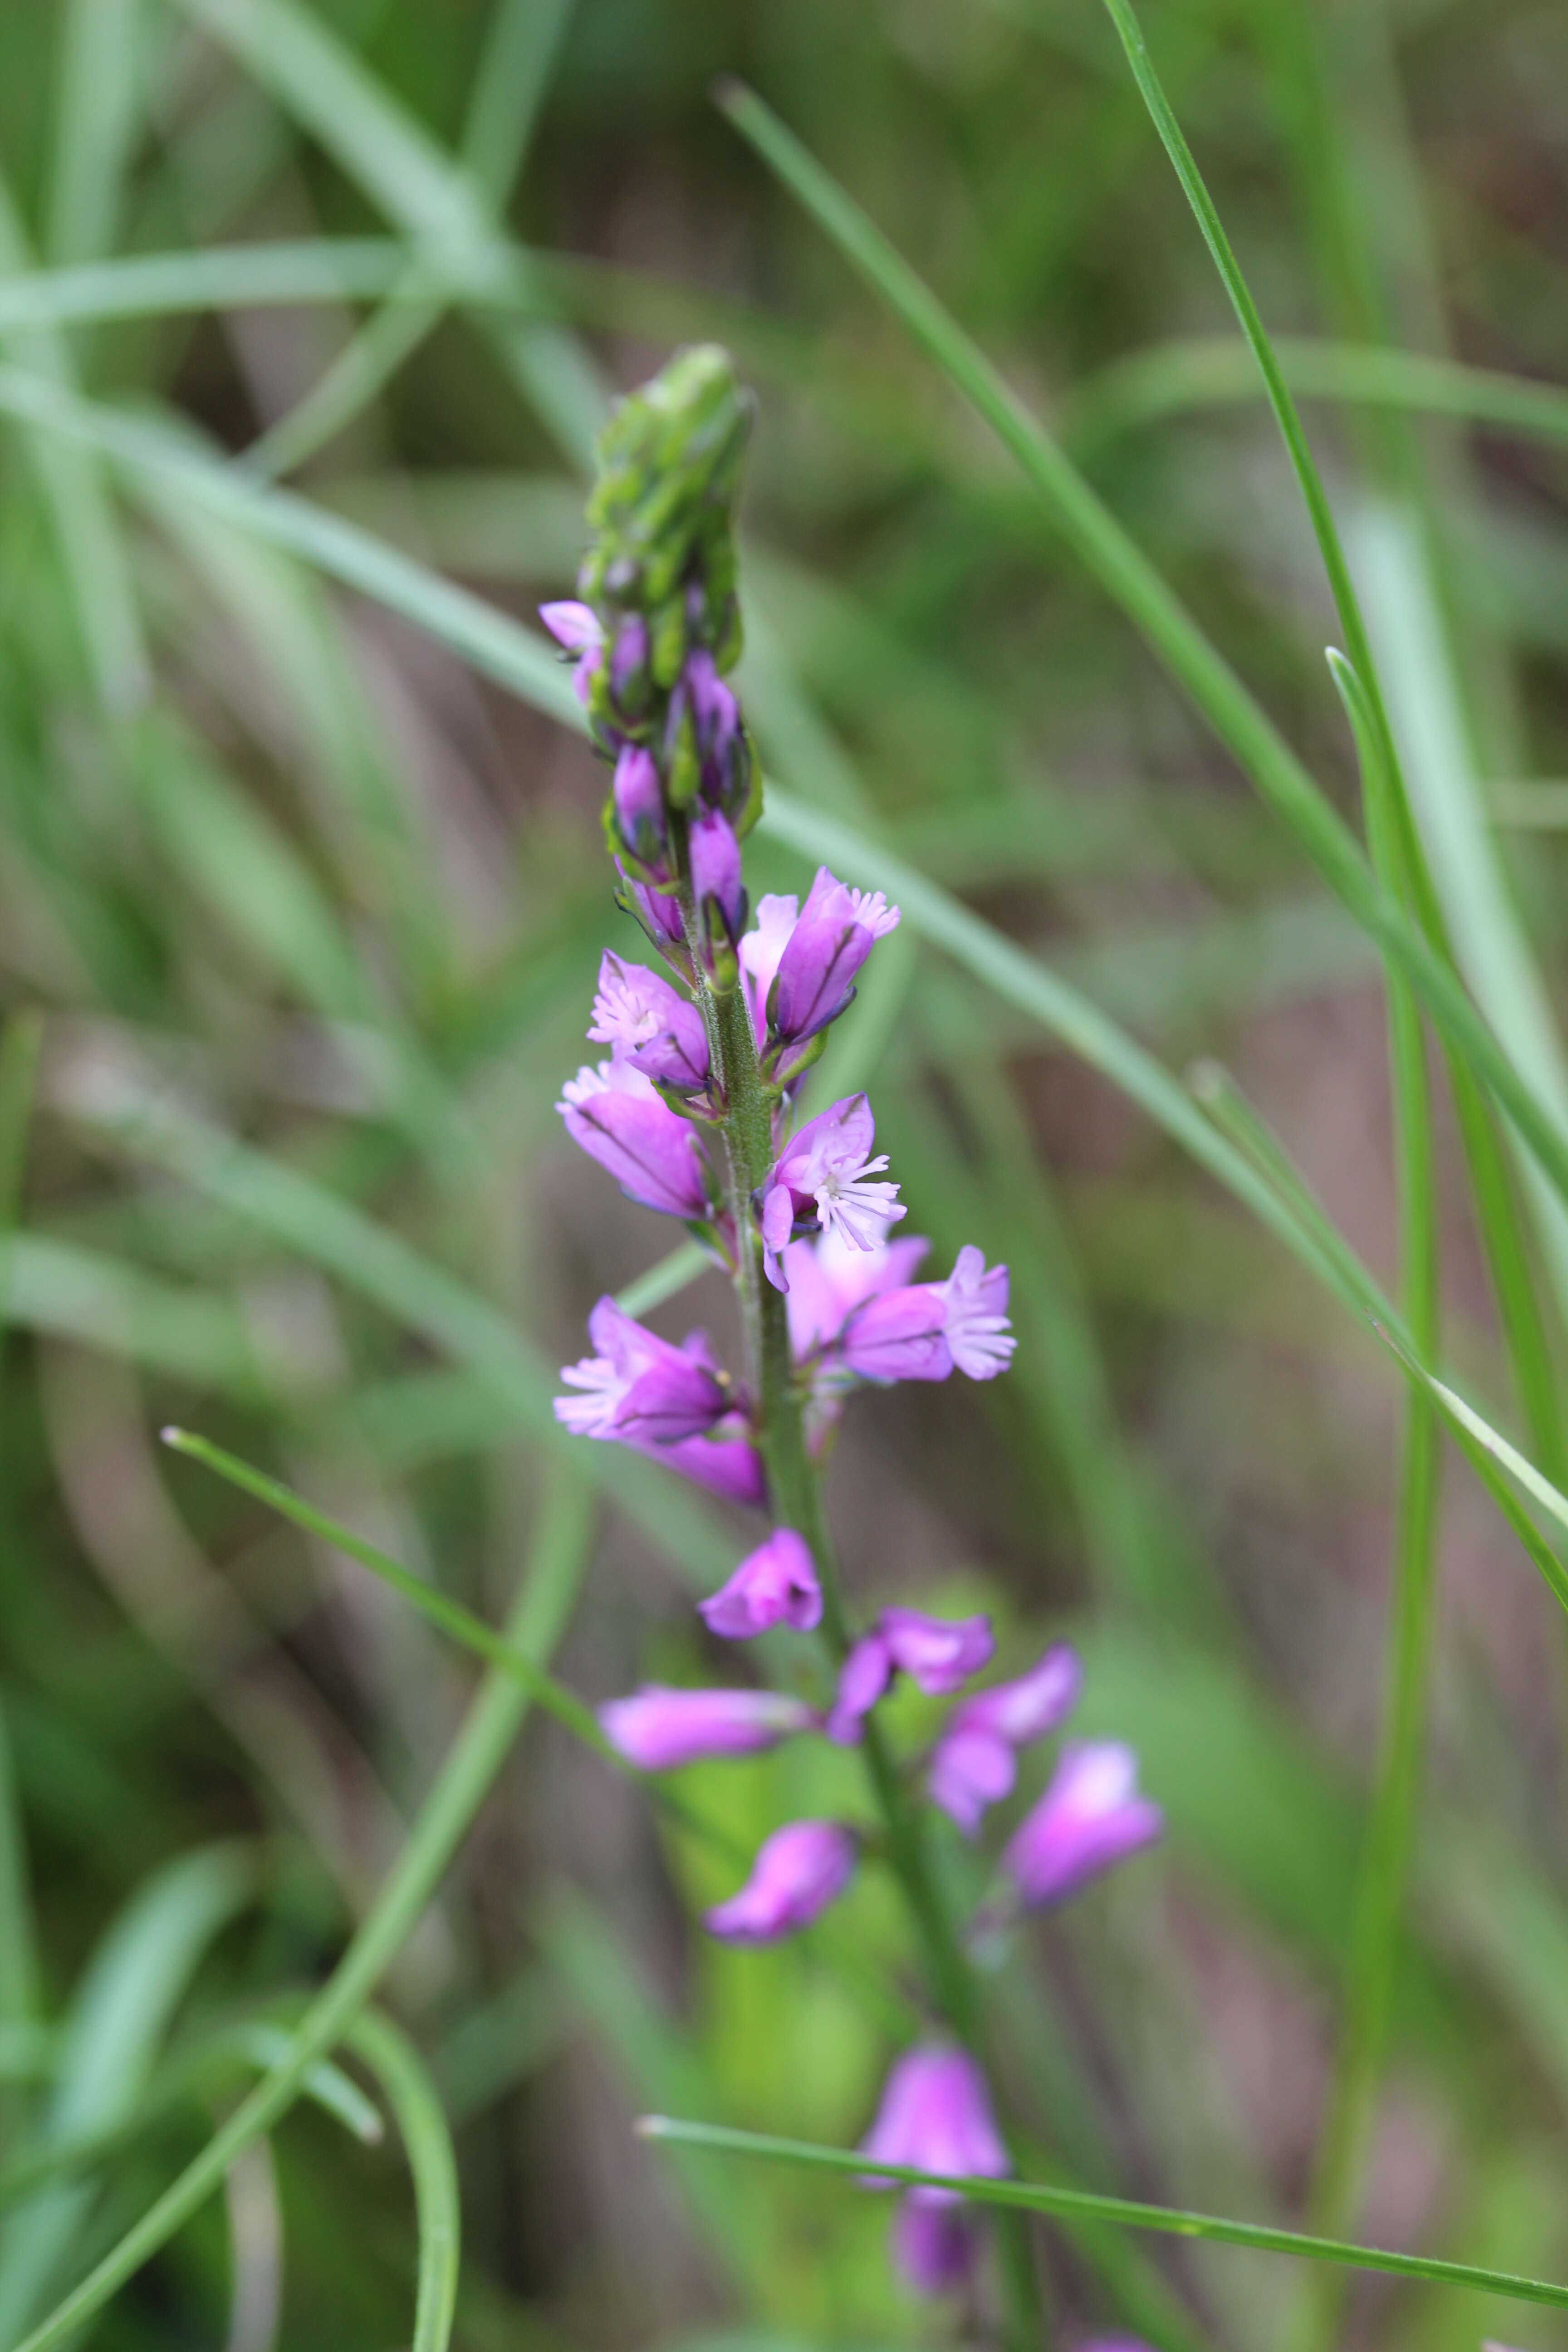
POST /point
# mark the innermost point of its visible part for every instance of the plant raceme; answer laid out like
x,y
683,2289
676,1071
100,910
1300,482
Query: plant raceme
x,y
695,1112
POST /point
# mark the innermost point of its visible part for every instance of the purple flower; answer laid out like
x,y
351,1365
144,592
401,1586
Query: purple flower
x,y
617,1117
629,663
638,1388
639,801
1089,1818
974,1763
724,1461
576,627
705,727
658,1729
1136,2344
658,910
777,1584
820,1176
937,1653
836,932
649,1024
716,869
798,1872
935,2116
932,1328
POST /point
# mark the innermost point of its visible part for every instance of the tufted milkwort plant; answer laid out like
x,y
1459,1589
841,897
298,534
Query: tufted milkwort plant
x,y
701,1111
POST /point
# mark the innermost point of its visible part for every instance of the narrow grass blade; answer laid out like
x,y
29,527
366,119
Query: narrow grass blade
x,y
100,99
536,1623
428,2140
665,1279
1078,2204
1128,576
19,1047
225,278
438,1607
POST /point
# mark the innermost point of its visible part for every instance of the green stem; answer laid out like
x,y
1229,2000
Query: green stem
x,y
481,1746
796,1498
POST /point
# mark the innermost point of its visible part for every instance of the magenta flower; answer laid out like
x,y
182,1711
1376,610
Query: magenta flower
x,y
657,1730
760,951
617,1117
639,801
935,2116
629,664
836,932
774,1585
798,1872
933,2245
1090,1818
704,710
648,1024
937,1653
638,1388
828,1279
576,628
820,1177
976,1326
974,1763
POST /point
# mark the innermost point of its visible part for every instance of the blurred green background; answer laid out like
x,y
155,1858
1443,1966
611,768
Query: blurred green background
x,y
298,920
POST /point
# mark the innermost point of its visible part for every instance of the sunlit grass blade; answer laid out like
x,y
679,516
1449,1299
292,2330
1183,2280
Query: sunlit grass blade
x,y
665,1279
1133,582
536,1623
438,1607
230,276
1080,2204
427,2138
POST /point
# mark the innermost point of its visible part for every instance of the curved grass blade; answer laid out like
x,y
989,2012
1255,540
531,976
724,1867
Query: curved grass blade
x,y
1084,2205
428,2140
536,1623
1128,576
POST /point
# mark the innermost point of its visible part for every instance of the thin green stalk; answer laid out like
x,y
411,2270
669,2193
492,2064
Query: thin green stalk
x,y
427,2138
1386,1861
536,1624
1084,2205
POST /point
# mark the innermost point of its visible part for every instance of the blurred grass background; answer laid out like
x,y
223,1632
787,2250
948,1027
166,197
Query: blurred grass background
x,y
299,919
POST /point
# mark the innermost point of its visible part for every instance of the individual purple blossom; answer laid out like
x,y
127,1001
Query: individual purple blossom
x,y
649,1024
828,1279
658,1729
935,2116
629,661
576,628
974,1764
836,930
639,801
774,1585
658,910
797,1872
715,855
932,1328
704,712
724,1461
761,950
821,1175
618,1118
637,1386
1090,1817
937,1653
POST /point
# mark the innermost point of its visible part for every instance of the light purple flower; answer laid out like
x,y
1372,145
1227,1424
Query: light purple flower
x,y
1089,1818
932,1328
715,722
630,660
821,1175
649,1024
760,951
774,1585
974,1763
658,1729
617,1117
637,1388
798,1872
715,856
836,932
576,627
828,1279
639,801
937,1653
935,2116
